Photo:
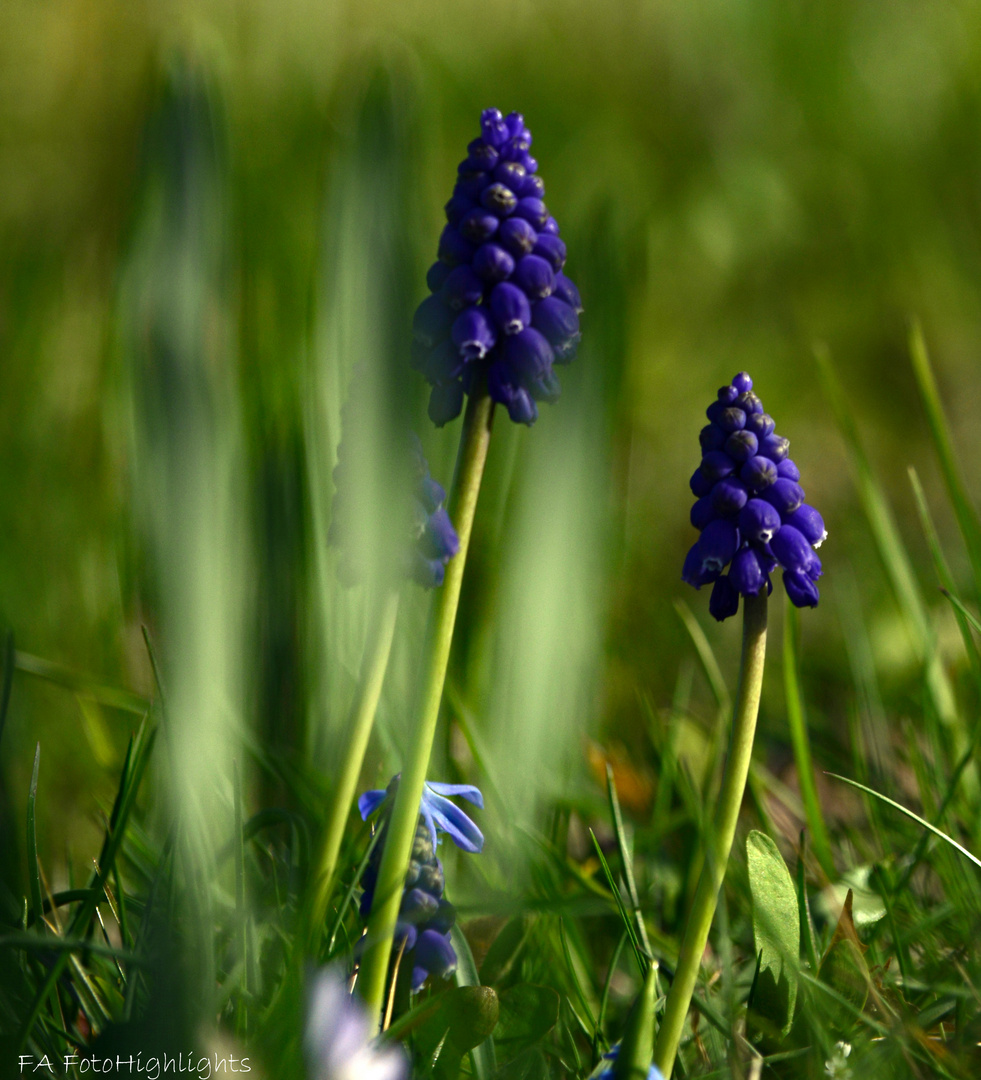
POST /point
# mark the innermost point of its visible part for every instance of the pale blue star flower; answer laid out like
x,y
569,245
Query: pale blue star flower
x,y
439,814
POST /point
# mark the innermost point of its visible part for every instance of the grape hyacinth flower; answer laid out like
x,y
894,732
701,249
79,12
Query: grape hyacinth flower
x,y
607,1073
500,306
750,508
337,1036
425,915
430,540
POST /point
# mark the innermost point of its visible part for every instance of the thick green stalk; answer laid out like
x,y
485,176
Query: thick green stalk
x,y
373,666
474,441
719,842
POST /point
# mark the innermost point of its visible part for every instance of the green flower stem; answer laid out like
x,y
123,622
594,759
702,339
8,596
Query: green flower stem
x,y
474,441
724,829
362,719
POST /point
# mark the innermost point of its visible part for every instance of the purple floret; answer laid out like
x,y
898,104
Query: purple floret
x,y
499,296
749,506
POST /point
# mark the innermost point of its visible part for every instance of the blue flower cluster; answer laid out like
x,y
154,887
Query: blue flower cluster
x,y
500,305
654,1073
750,508
431,540
425,915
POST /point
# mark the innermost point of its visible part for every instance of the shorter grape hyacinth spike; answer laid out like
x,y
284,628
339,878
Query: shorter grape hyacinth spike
x,y
430,542
500,306
425,915
750,508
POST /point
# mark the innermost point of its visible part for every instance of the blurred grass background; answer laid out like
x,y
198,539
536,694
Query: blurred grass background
x,y
736,182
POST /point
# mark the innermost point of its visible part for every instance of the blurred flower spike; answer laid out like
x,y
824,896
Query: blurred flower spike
x,y
750,508
500,306
337,1036
430,541
426,917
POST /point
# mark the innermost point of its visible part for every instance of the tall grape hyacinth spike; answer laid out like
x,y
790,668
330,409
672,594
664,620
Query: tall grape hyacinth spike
x,y
750,508
500,305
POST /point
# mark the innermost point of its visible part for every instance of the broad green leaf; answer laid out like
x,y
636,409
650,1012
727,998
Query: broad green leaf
x,y
776,932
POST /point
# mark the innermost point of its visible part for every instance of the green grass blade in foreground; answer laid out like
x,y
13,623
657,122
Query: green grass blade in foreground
x,y
909,813
801,743
726,815
626,858
474,442
362,719
710,665
964,509
642,960
944,575
890,545
33,870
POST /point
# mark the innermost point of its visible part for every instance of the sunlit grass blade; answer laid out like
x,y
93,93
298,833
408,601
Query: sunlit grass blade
x,y
111,696
33,870
800,741
944,576
964,509
890,545
706,657
628,926
912,816
591,1031
626,859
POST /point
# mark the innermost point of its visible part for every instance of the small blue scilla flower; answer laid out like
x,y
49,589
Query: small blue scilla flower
x,y
425,915
431,540
337,1040
654,1073
500,305
750,508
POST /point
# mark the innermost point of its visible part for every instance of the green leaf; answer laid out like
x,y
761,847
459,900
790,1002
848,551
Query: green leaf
x,y
528,1014
483,1052
464,1017
776,932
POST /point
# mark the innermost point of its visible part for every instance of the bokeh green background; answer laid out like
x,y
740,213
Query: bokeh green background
x,y
737,183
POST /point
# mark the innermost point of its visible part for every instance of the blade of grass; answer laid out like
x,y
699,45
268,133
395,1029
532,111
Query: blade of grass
x,y
889,543
944,575
577,986
9,662
706,656
964,510
605,996
800,742
642,962
115,698
909,813
804,908
33,872
625,859
137,755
